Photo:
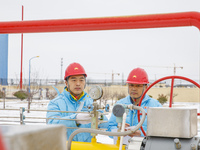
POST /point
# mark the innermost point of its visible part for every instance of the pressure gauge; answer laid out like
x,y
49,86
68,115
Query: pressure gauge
x,y
96,92
118,110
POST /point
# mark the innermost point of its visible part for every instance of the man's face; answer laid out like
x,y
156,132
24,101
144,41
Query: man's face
x,y
136,90
76,84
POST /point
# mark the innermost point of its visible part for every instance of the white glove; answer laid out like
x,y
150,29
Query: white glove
x,y
129,128
85,118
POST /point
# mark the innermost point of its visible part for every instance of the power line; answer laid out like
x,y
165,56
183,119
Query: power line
x,y
174,67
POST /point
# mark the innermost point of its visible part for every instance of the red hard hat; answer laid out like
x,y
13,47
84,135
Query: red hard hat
x,y
138,76
74,69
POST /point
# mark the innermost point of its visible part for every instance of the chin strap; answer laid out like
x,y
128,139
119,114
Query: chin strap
x,y
75,96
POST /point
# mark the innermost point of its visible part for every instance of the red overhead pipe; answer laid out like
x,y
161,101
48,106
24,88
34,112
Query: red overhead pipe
x,y
106,23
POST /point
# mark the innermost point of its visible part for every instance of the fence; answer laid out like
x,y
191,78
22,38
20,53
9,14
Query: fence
x,y
46,82
21,119
104,82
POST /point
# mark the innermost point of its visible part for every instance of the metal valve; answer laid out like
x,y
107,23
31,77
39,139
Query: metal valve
x,y
90,107
107,108
177,143
193,146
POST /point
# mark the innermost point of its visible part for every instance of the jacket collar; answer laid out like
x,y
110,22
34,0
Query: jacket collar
x,y
71,97
129,100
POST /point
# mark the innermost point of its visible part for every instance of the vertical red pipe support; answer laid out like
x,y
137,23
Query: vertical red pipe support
x,y
21,51
2,144
171,93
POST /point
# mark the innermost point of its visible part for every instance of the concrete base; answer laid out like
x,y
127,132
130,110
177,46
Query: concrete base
x,y
29,137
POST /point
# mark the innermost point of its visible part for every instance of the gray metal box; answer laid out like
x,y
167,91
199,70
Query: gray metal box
x,y
172,122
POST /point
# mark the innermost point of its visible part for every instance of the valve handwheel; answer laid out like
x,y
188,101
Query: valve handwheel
x,y
171,93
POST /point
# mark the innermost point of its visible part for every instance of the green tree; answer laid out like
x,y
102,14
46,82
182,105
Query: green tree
x,y
162,98
2,94
21,95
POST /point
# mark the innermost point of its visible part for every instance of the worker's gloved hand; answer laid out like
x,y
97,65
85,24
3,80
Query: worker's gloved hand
x,y
136,133
85,118
129,128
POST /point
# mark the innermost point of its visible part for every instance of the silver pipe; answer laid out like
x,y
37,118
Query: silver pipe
x,y
34,122
57,111
48,110
54,118
9,117
8,121
10,109
109,133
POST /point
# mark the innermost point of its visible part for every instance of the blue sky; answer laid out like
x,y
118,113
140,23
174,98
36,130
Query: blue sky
x,y
101,52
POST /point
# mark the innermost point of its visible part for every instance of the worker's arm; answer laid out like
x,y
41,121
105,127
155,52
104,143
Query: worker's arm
x,y
54,106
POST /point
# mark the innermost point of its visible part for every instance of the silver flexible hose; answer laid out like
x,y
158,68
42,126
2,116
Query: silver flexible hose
x,y
88,130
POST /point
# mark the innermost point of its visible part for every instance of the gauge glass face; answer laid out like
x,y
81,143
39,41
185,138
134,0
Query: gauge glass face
x,y
96,92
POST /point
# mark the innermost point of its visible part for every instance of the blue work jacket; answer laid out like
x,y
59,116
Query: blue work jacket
x,y
132,117
65,102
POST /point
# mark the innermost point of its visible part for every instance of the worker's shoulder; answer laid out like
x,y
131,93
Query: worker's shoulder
x,y
124,100
60,97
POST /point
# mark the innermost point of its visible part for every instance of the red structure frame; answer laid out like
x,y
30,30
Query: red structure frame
x,y
21,51
106,23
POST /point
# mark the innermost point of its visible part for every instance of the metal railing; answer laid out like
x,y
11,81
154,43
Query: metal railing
x,y
22,117
103,82
50,82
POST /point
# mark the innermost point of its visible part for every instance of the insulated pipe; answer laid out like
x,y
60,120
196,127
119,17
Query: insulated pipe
x,y
106,23
109,133
122,130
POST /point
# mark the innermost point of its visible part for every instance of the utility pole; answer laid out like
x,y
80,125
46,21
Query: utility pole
x,y
122,78
113,76
61,76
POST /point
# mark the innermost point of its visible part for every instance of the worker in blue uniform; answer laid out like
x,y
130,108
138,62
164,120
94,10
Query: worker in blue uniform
x,y
137,84
73,99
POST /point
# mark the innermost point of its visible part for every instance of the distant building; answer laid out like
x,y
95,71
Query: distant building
x,y
160,85
3,59
185,85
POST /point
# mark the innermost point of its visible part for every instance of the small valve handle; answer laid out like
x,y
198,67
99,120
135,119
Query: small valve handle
x,y
90,107
107,107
